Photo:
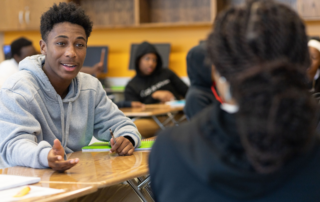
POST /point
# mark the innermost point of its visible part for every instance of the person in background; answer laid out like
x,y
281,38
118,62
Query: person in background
x,y
153,83
20,49
199,95
313,71
260,143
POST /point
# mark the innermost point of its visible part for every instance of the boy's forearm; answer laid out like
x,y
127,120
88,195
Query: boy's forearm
x,y
25,152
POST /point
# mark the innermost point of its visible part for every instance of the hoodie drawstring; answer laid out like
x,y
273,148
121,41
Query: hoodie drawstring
x,y
65,128
67,124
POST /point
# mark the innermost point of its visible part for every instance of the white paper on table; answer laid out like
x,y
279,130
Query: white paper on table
x,y
35,191
11,181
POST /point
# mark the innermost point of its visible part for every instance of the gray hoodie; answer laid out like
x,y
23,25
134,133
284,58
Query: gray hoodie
x,y
32,115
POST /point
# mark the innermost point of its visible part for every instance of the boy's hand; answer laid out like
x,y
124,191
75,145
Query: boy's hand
x,y
163,95
123,146
55,158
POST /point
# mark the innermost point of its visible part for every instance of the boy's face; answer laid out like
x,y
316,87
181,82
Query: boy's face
x,y
65,51
148,63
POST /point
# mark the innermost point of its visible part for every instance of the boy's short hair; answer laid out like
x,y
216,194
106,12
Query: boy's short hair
x,y
64,12
18,44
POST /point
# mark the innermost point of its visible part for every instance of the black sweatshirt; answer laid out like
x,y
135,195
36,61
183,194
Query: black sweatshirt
x,y
140,88
203,160
199,95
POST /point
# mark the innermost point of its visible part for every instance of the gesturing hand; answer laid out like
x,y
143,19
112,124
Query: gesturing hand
x,y
123,146
55,158
163,95
135,104
98,68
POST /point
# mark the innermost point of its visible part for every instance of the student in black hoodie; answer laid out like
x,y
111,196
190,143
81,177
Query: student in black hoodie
x,y
152,83
260,145
199,95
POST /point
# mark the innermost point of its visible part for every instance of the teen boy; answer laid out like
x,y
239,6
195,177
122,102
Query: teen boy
x,y
48,108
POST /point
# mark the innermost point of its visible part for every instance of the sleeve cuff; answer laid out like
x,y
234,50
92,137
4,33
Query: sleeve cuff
x,y
133,139
44,157
130,139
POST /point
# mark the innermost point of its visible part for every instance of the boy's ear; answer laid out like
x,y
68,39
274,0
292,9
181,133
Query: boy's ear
x,y
43,47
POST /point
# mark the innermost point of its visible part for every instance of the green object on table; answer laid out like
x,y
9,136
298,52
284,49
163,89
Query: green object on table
x,y
118,88
105,146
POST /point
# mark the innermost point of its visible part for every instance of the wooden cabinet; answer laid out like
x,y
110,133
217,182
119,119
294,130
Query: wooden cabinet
x,y
178,11
11,15
309,9
3,14
109,12
148,13
23,14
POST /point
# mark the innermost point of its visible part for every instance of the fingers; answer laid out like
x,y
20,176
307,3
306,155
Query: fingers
x,y
56,161
128,150
62,165
137,104
124,147
56,144
54,158
57,148
115,146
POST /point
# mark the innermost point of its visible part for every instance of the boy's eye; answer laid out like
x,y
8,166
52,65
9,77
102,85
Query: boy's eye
x,y
60,43
80,45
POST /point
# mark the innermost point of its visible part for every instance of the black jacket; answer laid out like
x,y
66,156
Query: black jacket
x,y
140,88
199,95
204,160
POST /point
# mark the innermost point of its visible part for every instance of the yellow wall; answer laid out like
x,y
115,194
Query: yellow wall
x,y
119,40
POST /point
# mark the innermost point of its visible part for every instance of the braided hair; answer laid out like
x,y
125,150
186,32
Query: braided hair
x,y
258,32
276,112
276,115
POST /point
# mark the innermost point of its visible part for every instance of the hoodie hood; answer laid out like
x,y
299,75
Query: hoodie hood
x,y
145,48
34,65
198,71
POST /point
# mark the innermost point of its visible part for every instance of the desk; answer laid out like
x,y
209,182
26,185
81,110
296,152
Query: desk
x,y
154,110
98,169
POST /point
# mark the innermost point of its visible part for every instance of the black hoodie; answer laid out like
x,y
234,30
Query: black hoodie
x,y
141,87
199,95
203,160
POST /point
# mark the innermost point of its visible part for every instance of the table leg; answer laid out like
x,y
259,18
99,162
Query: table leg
x,y
158,122
139,189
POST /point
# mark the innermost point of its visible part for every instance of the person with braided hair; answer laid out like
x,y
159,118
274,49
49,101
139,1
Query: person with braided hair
x,y
260,143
